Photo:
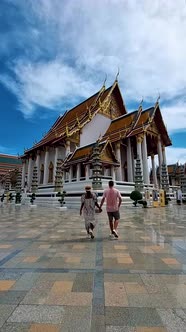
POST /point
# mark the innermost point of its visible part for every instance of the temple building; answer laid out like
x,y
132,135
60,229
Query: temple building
x,y
121,137
9,167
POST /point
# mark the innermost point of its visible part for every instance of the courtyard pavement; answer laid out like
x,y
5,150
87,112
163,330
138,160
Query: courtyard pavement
x,y
53,278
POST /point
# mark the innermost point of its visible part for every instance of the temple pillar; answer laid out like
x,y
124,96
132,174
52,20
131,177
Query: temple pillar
x,y
29,180
45,181
78,172
67,147
159,148
55,162
23,174
38,158
145,161
87,171
164,159
118,156
113,173
129,162
154,176
70,173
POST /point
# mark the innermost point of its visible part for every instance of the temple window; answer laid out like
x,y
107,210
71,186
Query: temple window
x,y
41,174
74,172
82,171
50,173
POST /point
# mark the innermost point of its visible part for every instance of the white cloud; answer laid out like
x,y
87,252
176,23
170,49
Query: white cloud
x,y
174,117
78,42
174,155
46,85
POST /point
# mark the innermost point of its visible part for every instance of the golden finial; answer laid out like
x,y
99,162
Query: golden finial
x,y
77,121
89,114
105,80
116,79
67,131
141,102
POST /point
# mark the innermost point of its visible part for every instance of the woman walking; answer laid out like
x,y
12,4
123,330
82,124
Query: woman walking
x,y
88,203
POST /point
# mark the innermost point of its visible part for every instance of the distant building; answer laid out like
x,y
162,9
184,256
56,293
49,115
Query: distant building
x,y
9,166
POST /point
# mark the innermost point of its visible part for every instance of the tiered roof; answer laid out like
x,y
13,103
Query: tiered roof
x,y
73,120
84,154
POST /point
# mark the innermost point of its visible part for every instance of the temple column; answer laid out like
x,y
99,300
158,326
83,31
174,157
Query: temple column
x,y
67,147
38,158
113,173
118,156
145,161
29,180
129,162
70,174
164,159
159,147
155,182
87,171
78,172
23,174
45,181
55,162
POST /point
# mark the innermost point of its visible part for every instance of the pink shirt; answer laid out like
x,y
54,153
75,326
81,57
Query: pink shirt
x,y
112,195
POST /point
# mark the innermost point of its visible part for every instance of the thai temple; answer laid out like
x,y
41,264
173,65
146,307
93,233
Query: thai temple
x,y
95,141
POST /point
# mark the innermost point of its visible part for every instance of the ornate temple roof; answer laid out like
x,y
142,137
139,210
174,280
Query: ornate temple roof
x,y
73,120
84,154
137,122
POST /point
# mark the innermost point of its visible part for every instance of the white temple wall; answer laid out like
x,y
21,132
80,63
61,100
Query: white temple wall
x,y
94,129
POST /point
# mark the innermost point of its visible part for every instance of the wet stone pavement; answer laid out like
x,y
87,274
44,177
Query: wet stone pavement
x,y
53,278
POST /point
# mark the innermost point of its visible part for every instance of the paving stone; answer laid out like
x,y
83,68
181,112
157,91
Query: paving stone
x,y
38,314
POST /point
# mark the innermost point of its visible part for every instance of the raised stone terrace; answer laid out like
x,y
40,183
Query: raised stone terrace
x,y
53,278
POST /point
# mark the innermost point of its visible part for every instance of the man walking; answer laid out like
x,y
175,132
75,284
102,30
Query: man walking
x,y
113,202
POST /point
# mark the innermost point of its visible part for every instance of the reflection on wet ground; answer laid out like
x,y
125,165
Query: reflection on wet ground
x,y
53,278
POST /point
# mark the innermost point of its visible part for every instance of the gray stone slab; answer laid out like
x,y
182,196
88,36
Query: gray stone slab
x,y
12,297
120,329
5,312
132,316
26,281
83,283
15,327
173,319
37,314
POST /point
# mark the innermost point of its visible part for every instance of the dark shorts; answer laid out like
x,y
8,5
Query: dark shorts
x,y
115,215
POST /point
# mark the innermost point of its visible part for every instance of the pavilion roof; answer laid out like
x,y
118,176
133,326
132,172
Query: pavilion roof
x,y
84,154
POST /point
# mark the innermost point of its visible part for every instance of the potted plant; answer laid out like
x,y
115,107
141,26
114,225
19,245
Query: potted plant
x,y
135,196
18,198
10,197
32,198
2,197
61,199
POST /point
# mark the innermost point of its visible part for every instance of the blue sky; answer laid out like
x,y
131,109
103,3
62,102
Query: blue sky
x,y
56,53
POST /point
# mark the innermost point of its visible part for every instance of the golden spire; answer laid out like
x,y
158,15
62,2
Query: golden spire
x,y
116,79
67,130
77,121
105,80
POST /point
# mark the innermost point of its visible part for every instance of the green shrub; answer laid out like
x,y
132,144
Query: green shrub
x,y
135,196
32,199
